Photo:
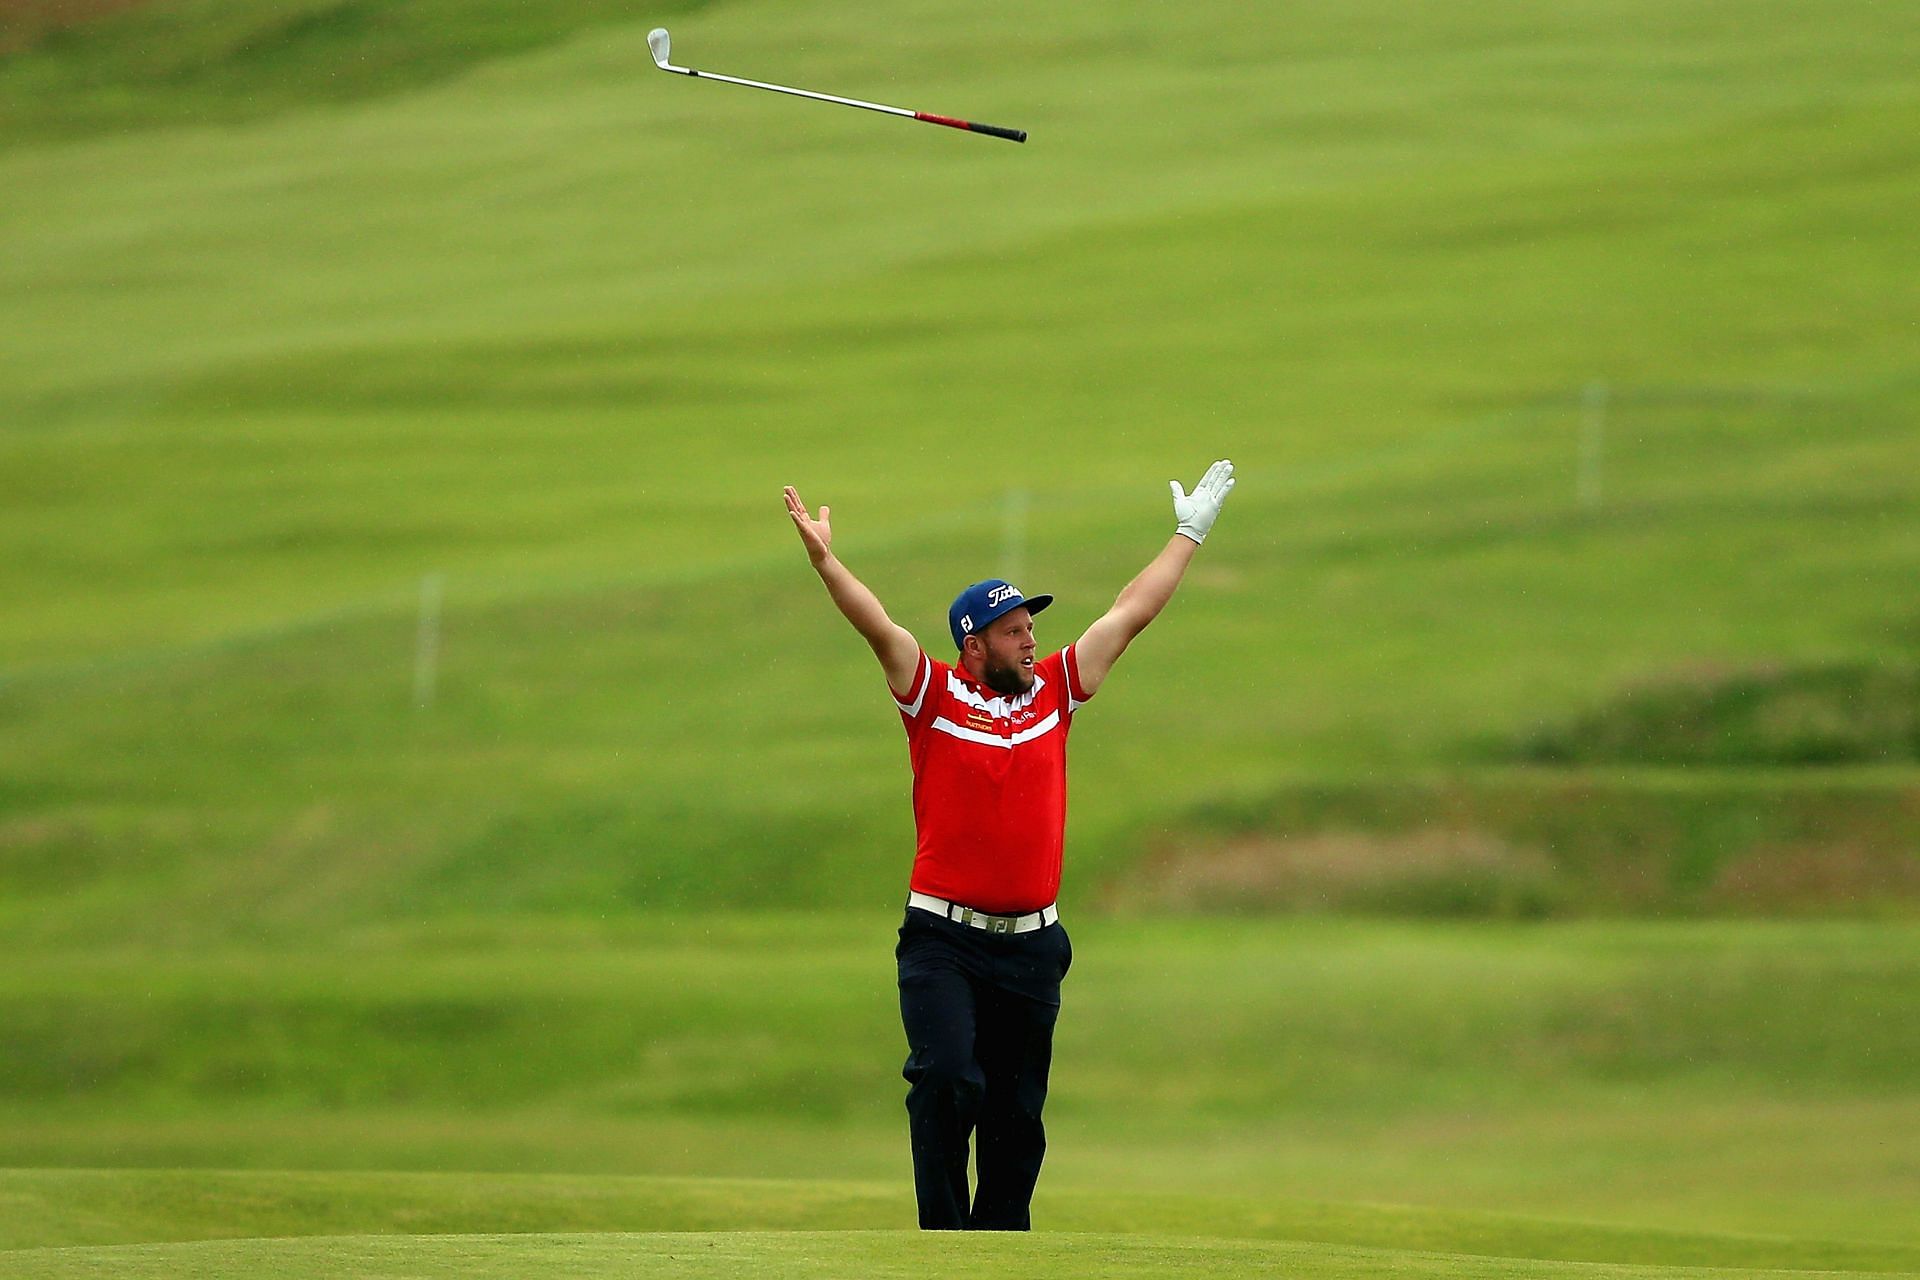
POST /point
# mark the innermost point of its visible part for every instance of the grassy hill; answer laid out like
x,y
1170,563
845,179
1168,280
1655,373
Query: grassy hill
x,y
1567,357
280,341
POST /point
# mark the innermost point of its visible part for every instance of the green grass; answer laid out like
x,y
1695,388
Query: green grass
x,y
1818,715
1736,1077
202,62
879,1254
72,1209
302,303
559,327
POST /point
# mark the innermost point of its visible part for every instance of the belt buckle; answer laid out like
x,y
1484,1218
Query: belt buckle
x,y
992,924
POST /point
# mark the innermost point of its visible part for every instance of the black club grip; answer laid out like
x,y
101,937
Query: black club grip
x,y
1011,135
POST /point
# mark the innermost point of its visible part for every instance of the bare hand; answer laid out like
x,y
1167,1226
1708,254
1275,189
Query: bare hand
x,y
816,534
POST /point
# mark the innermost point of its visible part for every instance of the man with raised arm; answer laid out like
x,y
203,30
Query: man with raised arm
x,y
982,952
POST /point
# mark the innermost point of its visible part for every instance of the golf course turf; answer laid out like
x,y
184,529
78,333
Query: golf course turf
x,y
445,830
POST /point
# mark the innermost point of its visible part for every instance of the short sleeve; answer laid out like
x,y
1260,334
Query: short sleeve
x,y
1077,696
918,703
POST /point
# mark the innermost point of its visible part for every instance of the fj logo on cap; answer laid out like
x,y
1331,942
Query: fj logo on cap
x,y
966,623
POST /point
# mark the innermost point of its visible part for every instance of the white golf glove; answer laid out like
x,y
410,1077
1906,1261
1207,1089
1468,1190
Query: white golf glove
x,y
1197,511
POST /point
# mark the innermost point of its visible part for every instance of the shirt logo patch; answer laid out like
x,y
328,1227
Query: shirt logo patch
x,y
978,719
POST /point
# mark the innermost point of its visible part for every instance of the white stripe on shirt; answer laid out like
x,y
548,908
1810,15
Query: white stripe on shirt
x,y
999,707
1073,703
965,734
912,709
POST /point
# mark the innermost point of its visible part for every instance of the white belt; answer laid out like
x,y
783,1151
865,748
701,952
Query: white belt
x,y
981,920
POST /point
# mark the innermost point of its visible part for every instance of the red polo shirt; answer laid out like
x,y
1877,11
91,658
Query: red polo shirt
x,y
990,784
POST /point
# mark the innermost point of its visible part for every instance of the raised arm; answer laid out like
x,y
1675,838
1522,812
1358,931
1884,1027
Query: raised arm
x,y
893,644
1144,597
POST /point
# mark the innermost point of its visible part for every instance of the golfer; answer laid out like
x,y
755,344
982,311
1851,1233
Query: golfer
x,y
982,951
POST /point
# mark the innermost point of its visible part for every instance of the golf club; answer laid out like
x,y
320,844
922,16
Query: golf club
x,y
662,45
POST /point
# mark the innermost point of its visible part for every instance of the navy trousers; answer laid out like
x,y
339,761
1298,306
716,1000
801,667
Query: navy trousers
x,y
979,1010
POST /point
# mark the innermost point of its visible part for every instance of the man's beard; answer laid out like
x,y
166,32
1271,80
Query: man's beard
x,y
1006,680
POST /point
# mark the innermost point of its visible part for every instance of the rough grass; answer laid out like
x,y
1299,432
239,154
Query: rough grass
x,y
1825,715
1526,844
26,23
76,70
533,327
1748,1077
538,327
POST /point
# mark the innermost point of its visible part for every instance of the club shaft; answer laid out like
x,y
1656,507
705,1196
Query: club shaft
x,y
798,93
1013,135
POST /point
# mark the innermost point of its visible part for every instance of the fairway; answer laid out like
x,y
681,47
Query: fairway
x,y
736,1254
437,1224
445,831
1736,1093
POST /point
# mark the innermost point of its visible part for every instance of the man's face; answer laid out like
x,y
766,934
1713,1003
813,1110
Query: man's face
x,y
1006,663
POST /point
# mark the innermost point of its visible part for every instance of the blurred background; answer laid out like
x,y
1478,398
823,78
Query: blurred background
x,y
424,747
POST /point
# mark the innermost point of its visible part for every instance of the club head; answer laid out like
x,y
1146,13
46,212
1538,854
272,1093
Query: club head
x,y
662,45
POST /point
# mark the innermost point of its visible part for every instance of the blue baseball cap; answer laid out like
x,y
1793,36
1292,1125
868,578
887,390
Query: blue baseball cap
x,y
982,602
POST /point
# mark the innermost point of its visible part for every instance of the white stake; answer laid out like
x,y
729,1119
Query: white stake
x,y
1593,428
1013,539
426,647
